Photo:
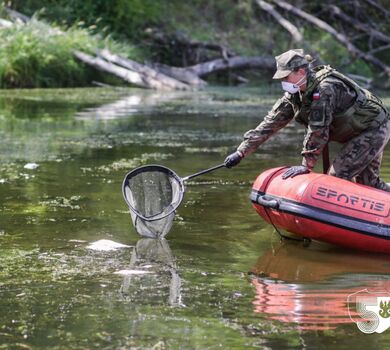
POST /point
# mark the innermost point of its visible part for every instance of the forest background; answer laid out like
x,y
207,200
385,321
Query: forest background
x,y
40,53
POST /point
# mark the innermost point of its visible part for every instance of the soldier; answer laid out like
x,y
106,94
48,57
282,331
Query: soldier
x,y
332,107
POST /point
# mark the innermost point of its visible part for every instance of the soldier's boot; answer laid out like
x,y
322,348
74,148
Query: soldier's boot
x,y
384,186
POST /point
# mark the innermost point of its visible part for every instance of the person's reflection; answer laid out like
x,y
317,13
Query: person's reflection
x,y
156,265
310,286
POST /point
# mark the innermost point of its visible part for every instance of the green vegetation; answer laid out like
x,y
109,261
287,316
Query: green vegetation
x,y
39,55
32,57
122,18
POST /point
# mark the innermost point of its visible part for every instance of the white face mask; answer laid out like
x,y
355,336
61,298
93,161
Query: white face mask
x,y
291,87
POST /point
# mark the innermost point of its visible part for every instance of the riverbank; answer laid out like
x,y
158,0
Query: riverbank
x,y
181,34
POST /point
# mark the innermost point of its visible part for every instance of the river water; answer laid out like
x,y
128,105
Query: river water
x,y
222,279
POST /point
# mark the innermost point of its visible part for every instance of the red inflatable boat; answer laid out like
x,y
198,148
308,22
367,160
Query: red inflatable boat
x,y
325,208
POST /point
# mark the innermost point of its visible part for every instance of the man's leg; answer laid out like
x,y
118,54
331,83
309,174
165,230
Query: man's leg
x,y
370,175
361,158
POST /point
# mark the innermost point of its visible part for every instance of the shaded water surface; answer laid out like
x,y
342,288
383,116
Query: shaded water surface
x,y
221,279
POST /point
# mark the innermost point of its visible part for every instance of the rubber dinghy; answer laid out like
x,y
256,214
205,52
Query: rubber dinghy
x,y
325,208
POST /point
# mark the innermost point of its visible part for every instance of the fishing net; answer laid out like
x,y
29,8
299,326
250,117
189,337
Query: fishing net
x,y
153,193
152,229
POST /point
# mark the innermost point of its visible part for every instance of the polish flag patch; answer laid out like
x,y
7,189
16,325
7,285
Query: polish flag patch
x,y
316,96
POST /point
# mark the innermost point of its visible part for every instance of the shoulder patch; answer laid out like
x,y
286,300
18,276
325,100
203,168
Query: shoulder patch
x,y
316,95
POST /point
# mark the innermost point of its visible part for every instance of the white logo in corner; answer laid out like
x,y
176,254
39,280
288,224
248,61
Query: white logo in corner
x,y
370,310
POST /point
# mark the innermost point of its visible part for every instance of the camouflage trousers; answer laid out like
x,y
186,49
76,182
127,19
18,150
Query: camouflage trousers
x,y
360,158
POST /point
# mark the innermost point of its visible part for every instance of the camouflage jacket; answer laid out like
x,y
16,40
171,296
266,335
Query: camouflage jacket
x,y
331,109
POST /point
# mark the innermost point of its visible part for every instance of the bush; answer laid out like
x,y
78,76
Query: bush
x,y
39,55
122,18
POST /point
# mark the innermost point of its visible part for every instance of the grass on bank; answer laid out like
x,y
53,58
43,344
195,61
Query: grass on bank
x,y
39,55
32,57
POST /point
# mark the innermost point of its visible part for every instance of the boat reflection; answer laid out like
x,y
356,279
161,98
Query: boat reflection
x,y
310,286
152,273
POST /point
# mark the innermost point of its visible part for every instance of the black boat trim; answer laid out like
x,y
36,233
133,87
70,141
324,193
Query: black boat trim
x,y
320,215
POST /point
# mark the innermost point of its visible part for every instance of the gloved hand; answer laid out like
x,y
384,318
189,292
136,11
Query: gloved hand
x,y
233,159
295,170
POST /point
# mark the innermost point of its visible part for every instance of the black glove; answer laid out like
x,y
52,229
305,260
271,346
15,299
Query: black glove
x,y
295,170
233,159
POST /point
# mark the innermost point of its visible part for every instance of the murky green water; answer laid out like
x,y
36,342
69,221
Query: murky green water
x,y
221,280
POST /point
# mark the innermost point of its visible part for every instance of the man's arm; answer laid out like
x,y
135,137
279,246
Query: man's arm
x,y
278,117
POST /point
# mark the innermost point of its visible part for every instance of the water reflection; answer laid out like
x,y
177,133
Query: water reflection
x,y
152,272
139,101
310,286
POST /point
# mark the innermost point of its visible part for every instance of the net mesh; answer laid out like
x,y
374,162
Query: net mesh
x,y
153,229
153,193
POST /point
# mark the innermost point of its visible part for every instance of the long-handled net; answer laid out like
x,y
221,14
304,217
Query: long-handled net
x,y
153,193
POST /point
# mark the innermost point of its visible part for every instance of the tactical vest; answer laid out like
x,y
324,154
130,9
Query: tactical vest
x,y
354,119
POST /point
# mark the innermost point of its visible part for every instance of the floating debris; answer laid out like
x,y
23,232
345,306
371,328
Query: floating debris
x,y
105,245
31,166
131,272
62,202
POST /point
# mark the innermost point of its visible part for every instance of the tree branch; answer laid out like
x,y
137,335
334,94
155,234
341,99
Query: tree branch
x,y
292,29
358,25
340,37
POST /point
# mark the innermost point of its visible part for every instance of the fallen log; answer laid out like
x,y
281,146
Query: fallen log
x,y
150,76
120,72
194,73
233,63
5,23
340,37
131,71
17,15
184,74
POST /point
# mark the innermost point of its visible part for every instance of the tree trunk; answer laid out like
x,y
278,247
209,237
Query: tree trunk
x,y
120,72
238,62
151,76
186,75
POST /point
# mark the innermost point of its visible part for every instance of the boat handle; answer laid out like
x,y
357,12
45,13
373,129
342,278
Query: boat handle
x,y
268,202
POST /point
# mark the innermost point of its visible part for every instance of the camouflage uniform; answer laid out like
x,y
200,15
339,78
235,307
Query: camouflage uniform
x,y
332,108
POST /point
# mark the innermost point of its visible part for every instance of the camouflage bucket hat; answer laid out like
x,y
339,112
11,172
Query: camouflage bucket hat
x,y
288,61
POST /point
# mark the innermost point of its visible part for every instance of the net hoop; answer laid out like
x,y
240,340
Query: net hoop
x,y
153,167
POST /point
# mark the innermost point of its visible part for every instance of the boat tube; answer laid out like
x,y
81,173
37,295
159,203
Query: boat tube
x,y
325,208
